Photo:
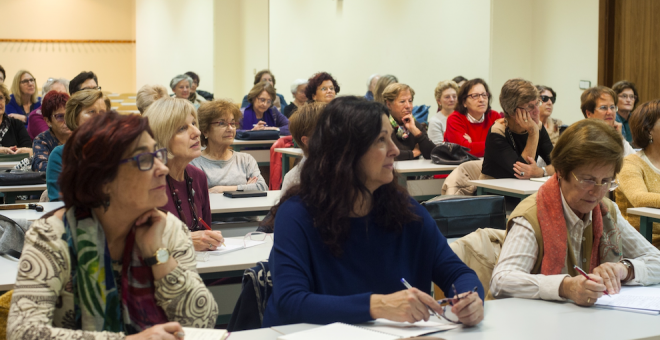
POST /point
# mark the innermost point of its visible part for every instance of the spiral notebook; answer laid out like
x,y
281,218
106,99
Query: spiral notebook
x,y
379,329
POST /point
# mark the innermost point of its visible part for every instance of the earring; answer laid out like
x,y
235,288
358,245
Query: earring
x,y
651,140
106,203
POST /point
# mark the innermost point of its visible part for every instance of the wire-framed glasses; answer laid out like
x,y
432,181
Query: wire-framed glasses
x,y
145,160
449,302
587,184
256,236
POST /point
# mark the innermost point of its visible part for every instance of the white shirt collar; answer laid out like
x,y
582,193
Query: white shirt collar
x,y
474,121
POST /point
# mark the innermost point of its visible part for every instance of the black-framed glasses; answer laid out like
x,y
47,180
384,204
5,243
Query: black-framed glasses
x,y
587,184
27,81
91,88
145,160
476,96
59,117
546,98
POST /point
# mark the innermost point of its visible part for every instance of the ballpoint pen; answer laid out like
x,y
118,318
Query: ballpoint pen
x,y
588,278
208,228
405,283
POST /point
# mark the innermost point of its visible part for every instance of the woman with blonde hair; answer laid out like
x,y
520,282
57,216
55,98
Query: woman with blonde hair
x,y
24,98
408,135
381,84
149,94
174,124
445,96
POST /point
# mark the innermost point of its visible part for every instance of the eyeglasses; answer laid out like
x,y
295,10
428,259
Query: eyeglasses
x,y
531,107
326,89
59,117
448,302
450,96
586,184
256,236
224,125
476,96
614,108
145,160
265,101
91,88
27,81
546,98
628,96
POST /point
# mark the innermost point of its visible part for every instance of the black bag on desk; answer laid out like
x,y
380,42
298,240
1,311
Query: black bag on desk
x,y
457,216
258,135
447,153
20,177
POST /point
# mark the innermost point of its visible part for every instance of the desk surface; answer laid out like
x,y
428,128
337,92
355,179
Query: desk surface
x,y
515,186
419,165
8,268
237,260
30,214
222,205
253,142
647,212
8,165
290,151
23,188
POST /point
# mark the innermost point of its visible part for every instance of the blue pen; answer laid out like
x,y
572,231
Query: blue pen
x,y
405,283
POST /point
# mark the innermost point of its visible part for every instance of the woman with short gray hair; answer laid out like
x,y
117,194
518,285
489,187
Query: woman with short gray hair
x,y
36,122
181,86
514,143
299,98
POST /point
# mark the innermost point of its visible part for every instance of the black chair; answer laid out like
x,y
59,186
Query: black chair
x,y
255,291
457,215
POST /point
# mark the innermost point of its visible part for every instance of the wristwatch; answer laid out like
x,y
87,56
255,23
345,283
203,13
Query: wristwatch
x,y
631,270
160,256
545,173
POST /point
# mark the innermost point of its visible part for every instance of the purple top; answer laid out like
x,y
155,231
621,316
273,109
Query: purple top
x,y
201,191
272,117
36,123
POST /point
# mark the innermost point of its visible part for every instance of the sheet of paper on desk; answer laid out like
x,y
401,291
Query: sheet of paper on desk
x,y
205,333
634,299
407,330
232,244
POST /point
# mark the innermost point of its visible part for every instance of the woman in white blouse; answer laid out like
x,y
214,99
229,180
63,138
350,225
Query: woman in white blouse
x,y
446,94
569,222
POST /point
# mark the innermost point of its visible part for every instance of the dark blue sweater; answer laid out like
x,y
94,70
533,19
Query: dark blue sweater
x,y
14,107
310,285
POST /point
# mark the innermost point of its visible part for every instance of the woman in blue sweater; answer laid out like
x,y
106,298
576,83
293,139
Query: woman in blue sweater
x,y
348,233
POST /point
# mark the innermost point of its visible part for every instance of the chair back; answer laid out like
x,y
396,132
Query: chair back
x,y
457,181
256,289
457,216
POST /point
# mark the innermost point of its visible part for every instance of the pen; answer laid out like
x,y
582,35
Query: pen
x,y
588,278
405,283
208,228
449,300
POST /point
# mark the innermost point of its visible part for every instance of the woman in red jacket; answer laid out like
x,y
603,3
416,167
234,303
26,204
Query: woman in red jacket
x,y
470,123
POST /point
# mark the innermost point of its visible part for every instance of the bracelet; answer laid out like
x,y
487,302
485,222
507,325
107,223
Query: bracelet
x,y
631,270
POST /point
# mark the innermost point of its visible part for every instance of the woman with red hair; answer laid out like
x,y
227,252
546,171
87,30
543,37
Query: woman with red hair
x,y
53,108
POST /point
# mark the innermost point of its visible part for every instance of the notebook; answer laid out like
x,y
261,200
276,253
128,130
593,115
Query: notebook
x,y
633,299
379,329
233,244
205,333
540,179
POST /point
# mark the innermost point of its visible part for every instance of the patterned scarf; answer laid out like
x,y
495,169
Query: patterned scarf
x,y
401,131
97,300
4,126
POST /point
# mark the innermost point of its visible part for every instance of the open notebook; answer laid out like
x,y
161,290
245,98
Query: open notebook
x,y
379,329
232,244
205,334
633,299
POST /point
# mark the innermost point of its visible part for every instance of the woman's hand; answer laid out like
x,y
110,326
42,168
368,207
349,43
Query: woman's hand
x,y
165,331
252,180
416,152
612,273
409,123
525,121
409,305
468,138
204,240
469,309
528,170
24,150
12,150
617,126
18,116
149,232
582,291
259,126
219,189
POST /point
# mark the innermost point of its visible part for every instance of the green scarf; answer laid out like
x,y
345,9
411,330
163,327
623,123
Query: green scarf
x,y
401,131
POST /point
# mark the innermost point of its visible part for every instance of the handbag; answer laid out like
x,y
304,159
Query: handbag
x,y
21,177
457,216
258,135
447,153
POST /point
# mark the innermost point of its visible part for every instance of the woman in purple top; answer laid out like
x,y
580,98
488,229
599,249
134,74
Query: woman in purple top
x,y
261,114
174,124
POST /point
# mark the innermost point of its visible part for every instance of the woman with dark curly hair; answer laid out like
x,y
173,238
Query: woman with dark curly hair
x,y
322,87
341,250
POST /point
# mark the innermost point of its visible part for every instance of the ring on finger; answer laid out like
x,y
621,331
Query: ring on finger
x,y
522,173
210,246
588,300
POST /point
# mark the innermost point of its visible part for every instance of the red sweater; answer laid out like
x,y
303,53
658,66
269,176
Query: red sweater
x,y
458,125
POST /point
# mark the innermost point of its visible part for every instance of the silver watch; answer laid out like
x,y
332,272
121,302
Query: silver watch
x,y
545,173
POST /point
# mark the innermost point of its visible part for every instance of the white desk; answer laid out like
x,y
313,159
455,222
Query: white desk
x,y
12,191
9,269
8,165
224,265
646,218
31,215
506,187
239,144
222,206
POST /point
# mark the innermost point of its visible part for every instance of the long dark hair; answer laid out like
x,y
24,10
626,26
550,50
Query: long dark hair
x,y
330,177
465,90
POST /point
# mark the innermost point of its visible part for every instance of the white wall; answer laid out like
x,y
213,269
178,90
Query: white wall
x,y
174,37
420,41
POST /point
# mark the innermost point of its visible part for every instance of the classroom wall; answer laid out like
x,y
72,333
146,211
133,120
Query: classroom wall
x,y
174,37
114,64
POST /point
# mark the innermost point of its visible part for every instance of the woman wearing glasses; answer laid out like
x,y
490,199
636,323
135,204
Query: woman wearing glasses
x,y
110,265
24,98
225,169
570,222
514,143
322,87
261,114
349,233
470,123
627,99
174,124
53,109
599,102
445,96
548,99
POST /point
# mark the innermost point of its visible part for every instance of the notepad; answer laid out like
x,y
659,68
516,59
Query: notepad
x,y
205,333
232,244
540,179
379,329
633,299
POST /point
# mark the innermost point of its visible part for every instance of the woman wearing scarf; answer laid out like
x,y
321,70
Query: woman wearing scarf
x,y
109,264
408,135
570,222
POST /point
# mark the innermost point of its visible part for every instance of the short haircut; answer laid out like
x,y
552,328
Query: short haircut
x,y
381,84
5,92
444,85
642,121
393,90
516,92
149,94
77,81
303,122
587,142
316,80
257,77
258,88
178,79
16,88
166,116
194,76
543,88
4,75
459,79
52,101
624,84
214,110
52,81
92,154
78,102
296,83
589,97
465,90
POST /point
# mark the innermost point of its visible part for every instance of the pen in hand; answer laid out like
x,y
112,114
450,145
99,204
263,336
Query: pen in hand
x,y
588,278
208,228
405,283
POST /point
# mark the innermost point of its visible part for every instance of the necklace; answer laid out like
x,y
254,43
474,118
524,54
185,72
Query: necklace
x,y
191,201
508,132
